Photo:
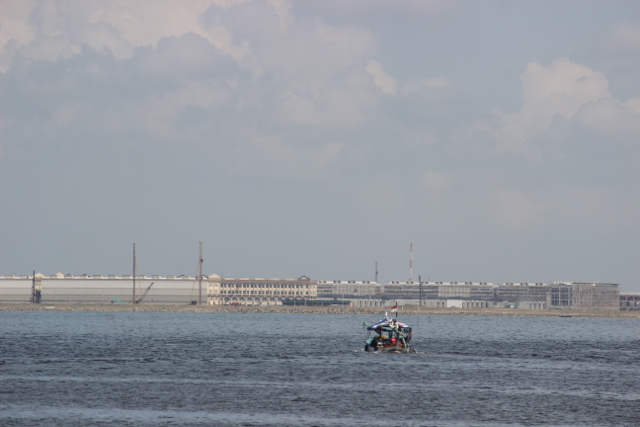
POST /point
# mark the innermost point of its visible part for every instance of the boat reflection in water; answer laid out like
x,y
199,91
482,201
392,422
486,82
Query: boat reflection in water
x,y
389,336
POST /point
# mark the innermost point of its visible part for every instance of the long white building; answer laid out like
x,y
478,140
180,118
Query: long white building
x,y
60,288
212,290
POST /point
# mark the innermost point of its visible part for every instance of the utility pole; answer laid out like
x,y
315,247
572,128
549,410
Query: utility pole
x,y
376,271
411,263
33,288
420,280
200,276
133,301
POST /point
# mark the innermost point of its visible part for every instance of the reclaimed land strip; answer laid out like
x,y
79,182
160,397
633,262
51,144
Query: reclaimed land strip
x,y
406,310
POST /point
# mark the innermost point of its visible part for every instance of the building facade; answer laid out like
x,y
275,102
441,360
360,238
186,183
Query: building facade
x,y
522,295
630,302
348,289
583,295
61,288
259,291
214,290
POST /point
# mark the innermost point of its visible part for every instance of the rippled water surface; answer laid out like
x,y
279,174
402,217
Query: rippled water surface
x,y
230,369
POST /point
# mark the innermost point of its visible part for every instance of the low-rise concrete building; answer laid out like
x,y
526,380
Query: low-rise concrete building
x,y
259,291
630,302
348,289
517,295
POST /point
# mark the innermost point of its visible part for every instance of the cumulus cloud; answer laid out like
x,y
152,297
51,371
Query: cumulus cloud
x,y
57,29
611,117
182,72
283,10
382,80
237,99
14,22
560,89
313,53
347,104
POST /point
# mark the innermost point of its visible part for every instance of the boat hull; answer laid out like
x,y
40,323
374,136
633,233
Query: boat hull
x,y
389,348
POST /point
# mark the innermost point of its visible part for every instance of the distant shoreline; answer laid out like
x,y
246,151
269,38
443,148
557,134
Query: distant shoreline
x,y
407,310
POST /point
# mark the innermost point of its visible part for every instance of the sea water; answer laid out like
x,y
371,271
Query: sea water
x,y
232,369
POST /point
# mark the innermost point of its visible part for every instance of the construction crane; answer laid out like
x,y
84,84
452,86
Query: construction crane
x,y
139,300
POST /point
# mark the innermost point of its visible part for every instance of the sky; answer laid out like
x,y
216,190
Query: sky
x,y
500,138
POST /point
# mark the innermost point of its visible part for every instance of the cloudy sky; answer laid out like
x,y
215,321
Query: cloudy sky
x,y
501,138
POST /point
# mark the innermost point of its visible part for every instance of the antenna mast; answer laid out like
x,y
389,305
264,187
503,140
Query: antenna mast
x,y
411,263
200,276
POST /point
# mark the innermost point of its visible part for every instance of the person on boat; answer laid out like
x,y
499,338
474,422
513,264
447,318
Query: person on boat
x,y
394,325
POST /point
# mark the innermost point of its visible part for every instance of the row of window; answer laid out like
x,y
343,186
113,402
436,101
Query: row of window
x,y
263,293
246,285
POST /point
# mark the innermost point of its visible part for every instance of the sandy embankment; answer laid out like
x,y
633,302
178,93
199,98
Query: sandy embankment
x,y
407,310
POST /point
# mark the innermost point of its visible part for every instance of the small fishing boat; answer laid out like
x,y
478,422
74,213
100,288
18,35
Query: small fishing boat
x,y
389,336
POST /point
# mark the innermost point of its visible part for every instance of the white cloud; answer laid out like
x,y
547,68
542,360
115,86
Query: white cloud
x,y
283,10
347,104
383,81
52,30
145,22
612,117
312,53
14,21
633,105
559,89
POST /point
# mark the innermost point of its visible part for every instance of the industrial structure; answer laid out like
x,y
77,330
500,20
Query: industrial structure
x,y
60,288
532,296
